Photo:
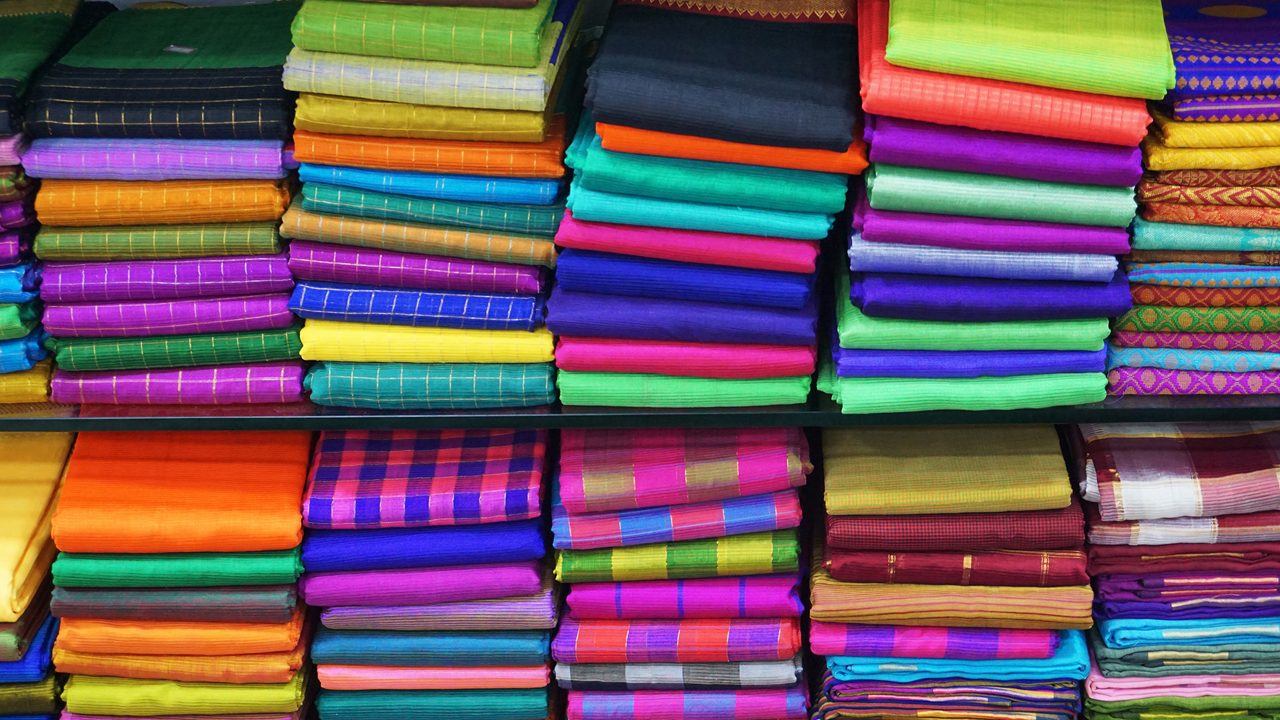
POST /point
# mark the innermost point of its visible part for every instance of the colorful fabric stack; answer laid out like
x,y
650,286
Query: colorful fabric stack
x,y
176,582
159,141
32,31
717,153
953,580
33,471
682,553
425,550
1004,142
1205,270
432,164
1183,528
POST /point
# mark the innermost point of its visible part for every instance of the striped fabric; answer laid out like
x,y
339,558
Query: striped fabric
x,y
676,641
360,266
157,241
604,470
169,317
406,478
931,642
531,612
754,704
677,676
754,554
400,386
754,596
419,308
674,523
1254,527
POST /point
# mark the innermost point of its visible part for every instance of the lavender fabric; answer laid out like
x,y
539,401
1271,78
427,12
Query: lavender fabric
x,y
99,159
423,586
165,279
577,314
917,144
961,299
971,233
925,259
964,364
169,317
264,383
383,268
14,245
11,149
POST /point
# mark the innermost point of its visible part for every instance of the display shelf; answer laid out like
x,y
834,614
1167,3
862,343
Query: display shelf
x,y
820,411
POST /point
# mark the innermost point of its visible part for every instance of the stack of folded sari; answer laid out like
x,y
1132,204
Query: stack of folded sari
x,y
1205,266
432,140
953,579
1004,142
176,582
159,142
425,551
33,471
717,152
1183,528
681,551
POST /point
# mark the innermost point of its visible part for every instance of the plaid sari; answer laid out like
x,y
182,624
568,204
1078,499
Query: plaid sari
x,y
676,641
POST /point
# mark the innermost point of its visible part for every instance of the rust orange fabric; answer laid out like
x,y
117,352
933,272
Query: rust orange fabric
x,y
239,669
118,202
159,492
1174,296
620,138
178,637
1220,215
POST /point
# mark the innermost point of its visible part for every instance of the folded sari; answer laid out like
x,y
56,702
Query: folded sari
x,y
708,360
34,665
983,103
357,677
122,81
1027,530
1046,47
803,11
361,266
427,82
942,297
1218,54
418,239
18,321
20,283
893,395
1159,381
637,390
748,704
1194,360
164,279
352,116
618,469
941,470
621,138
1122,634
955,643
663,641
251,604
176,570
1254,527
761,553
908,189
528,612
16,636
1167,659
881,258
421,586
1070,661
1158,318
596,206
15,245
157,242
261,383
401,386
707,248
463,188
1150,191
120,696
575,314
237,669
431,649
17,213
22,354
702,182
1202,275
415,308
435,704
461,157
755,596
674,523
721,93
168,637
1204,297
28,386
1150,473
1219,215
479,35
253,504
1018,568
369,205
395,548
983,699
905,364
1032,608
32,32
1262,177
1229,108
12,146
175,202
174,351
677,676
607,273
1222,557
1207,257
367,342
31,700
15,184
444,477
30,491
894,141
1160,156
151,160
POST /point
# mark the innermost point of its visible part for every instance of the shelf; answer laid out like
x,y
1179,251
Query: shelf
x,y
819,412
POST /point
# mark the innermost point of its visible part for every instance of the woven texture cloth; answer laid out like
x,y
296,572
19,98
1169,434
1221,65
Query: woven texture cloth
x,y
932,642
942,297
254,384
421,586
1156,318
456,477
1069,662
76,159
89,695
175,202
164,279
169,317
369,205
806,11
1028,530
753,554
528,704
1018,568
895,395
749,704
384,268
1204,297
352,116
457,649
181,569
711,640
622,138
756,596
432,387
529,612
459,157
465,188
1159,381
396,548
640,390
370,342
258,604
358,677
707,360
155,242
973,233
677,676
170,351
32,32
1254,527
417,308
